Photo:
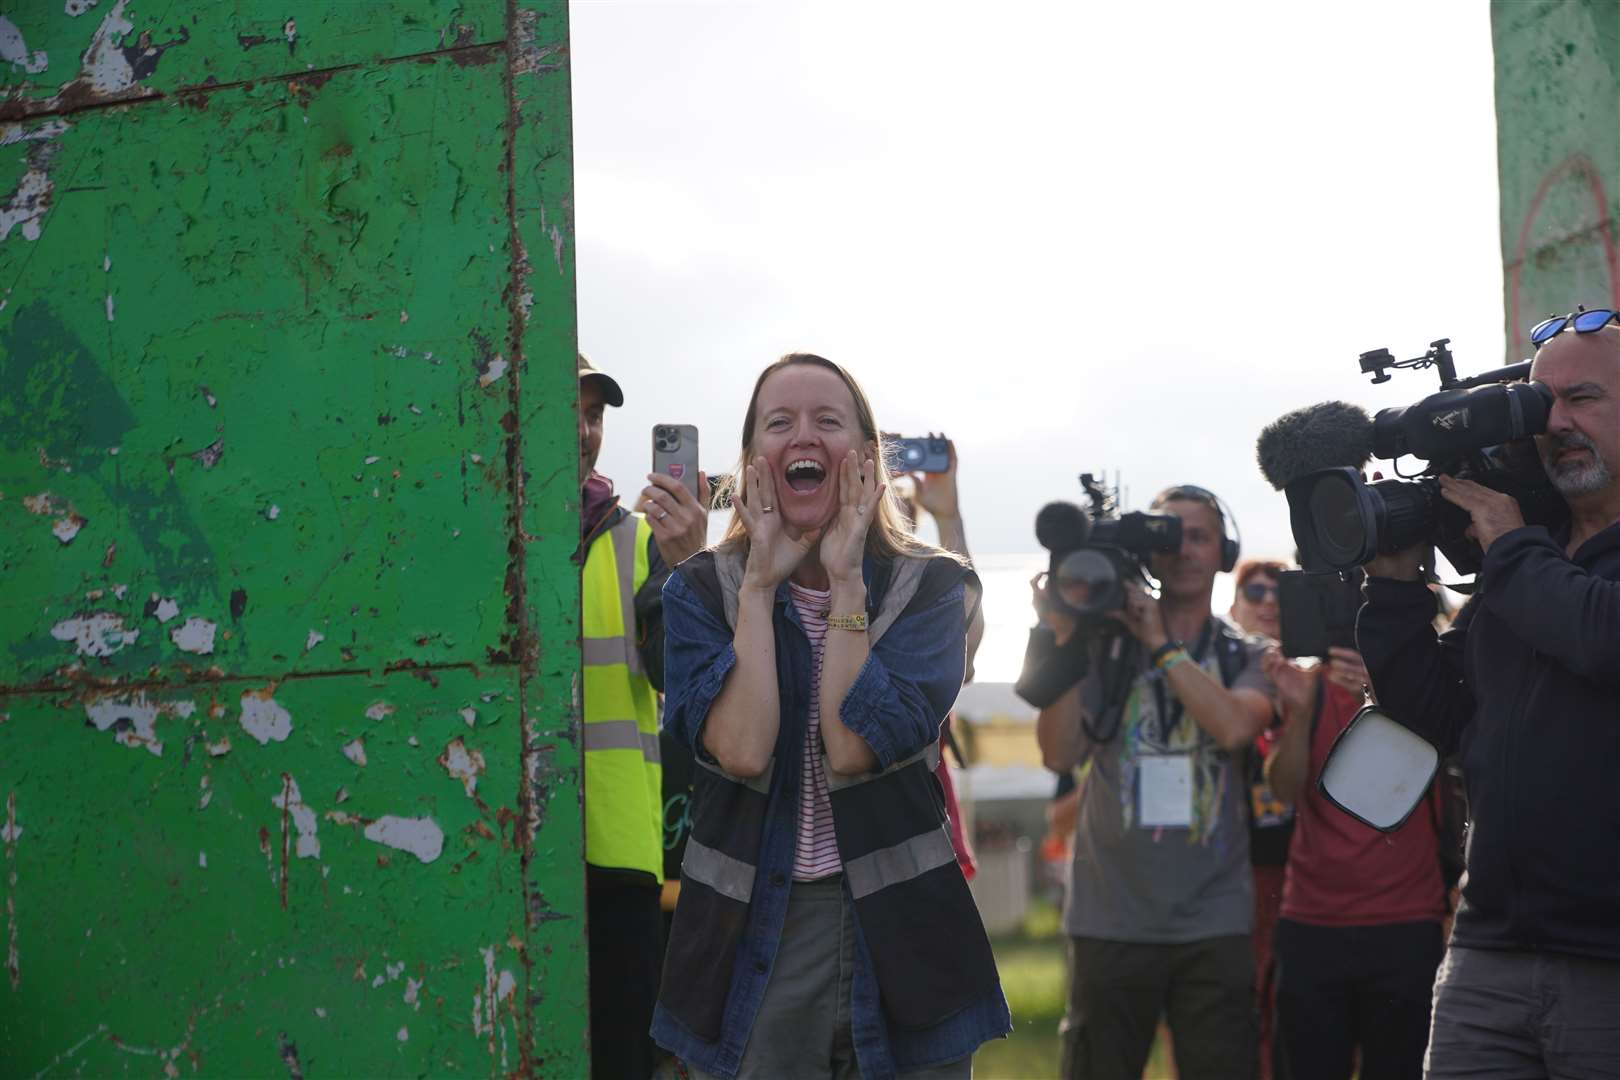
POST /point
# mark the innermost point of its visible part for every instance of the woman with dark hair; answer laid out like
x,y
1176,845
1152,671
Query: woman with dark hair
x,y
824,928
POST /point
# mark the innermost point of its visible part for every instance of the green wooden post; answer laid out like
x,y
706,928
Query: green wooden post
x,y
288,625
1557,64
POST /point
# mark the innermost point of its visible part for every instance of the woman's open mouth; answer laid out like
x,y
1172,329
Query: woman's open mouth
x,y
805,475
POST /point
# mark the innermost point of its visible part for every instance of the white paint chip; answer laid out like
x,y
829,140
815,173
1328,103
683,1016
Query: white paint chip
x,y
303,818
320,1012
194,636
104,62
66,528
355,751
404,1034
132,719
109,307
202,860
166,609
14,49
470,715
497,368
263,718
421,837
378,709
372,459
315,638
100,634
463,764
272,511
413,991
220,748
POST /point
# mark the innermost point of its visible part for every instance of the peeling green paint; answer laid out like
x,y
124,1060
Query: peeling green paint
x,y
1557,84
288,632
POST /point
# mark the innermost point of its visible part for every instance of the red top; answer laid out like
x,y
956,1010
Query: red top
x,y
1344,873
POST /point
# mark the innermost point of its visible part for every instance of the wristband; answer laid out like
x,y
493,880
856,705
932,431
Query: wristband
x,y
847,622
1163,652
1174,660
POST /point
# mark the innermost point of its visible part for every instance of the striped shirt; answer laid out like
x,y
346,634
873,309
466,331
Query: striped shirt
x,y
815,855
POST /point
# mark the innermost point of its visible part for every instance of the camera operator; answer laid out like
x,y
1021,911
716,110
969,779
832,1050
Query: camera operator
x,y
1527,685
1161,901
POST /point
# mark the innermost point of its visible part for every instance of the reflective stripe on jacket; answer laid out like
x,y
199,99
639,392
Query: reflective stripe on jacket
x,y
623,779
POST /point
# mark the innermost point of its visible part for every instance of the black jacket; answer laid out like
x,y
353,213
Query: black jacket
x,y
1526,685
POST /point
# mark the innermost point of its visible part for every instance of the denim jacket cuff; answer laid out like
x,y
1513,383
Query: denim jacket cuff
x,y
704,690
859,715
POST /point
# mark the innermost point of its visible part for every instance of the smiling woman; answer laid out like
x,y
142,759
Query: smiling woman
x,y
807,403
819,868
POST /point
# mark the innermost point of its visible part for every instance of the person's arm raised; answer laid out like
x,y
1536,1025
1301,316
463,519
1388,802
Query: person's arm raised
x,y
846,651
743,721
1287,767
1233,718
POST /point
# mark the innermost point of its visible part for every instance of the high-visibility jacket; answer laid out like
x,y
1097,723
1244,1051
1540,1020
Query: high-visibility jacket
x,y
624,799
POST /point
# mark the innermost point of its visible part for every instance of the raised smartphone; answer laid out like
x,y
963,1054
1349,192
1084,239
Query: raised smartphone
x,y
928,454
675,454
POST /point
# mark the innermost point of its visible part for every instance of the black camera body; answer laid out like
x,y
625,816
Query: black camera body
x,y
1093,553
1478,429
1318,609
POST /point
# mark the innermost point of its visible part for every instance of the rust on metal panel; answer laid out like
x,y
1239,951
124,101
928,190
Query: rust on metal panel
x,y
269,381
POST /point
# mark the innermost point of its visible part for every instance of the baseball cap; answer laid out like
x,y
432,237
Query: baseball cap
x,y
610,388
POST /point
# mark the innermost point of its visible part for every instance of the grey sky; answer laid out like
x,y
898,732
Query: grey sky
x,y
1073,236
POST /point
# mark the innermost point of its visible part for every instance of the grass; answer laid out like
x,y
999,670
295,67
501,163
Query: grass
x,y
1034,979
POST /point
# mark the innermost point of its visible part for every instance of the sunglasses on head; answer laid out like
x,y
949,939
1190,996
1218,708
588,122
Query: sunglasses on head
x,y
1584,322
1258,592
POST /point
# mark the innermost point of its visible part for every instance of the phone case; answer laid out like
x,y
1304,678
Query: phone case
x,y
675,453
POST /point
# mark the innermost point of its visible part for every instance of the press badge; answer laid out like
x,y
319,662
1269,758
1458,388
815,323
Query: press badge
x,y
1165,788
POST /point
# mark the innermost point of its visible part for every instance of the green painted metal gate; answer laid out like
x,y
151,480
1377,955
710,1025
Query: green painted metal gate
x,y
1557,88
288,486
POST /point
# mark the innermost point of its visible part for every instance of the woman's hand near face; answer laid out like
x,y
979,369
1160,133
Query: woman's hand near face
x,y
773,554
844,541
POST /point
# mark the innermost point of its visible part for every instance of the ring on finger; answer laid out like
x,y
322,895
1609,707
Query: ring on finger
x,y
767,509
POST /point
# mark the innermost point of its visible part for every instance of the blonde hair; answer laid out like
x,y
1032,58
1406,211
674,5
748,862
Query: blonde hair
x,y
889,535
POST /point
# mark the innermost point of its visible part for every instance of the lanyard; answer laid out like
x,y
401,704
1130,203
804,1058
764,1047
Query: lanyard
x,y
1170,710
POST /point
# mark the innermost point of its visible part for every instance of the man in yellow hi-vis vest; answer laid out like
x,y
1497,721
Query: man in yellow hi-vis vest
x,y
624,558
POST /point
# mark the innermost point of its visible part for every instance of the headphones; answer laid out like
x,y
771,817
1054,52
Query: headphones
x,y
1231,547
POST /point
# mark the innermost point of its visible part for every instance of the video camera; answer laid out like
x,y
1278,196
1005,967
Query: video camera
x,y
1479,429
1093,553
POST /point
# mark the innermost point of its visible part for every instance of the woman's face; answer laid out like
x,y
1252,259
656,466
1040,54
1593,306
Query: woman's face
x,y
804,424
1255,607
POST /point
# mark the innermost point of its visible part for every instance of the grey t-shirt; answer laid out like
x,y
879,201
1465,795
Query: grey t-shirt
x,y
1161,853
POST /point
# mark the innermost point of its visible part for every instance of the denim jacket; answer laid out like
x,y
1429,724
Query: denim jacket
x,y
896,705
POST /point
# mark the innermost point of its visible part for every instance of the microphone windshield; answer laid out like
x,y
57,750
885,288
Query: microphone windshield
x,y
1062,526
1327,435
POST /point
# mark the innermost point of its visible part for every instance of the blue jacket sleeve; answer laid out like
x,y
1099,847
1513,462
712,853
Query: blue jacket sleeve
x,y
1556,606
698,656
910,680
1417,676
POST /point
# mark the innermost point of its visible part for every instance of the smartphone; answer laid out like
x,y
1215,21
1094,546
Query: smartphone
x,y
928,454
675,453
1318,610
